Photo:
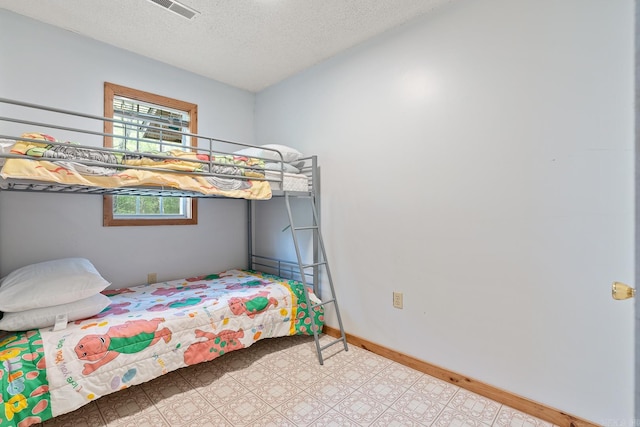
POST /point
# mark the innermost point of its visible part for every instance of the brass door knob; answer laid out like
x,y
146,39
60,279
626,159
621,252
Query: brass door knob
x,y
621,291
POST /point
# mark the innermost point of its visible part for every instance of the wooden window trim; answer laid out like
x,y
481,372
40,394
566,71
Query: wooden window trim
x,y
110,91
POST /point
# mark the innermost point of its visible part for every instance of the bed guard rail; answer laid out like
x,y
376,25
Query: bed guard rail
x,y
283,268
209,157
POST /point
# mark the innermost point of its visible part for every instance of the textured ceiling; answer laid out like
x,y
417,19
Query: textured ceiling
x,y
247,44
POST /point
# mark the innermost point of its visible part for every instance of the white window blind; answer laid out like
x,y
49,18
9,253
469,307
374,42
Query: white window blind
x,y
146,127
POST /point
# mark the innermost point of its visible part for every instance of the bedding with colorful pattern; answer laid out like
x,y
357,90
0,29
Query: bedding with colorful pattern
x,y
145,332
70,164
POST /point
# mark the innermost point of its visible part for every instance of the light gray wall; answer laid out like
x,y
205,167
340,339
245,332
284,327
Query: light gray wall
x,y
637,204
45,65
480,160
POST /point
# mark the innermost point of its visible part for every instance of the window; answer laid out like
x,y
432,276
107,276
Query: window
x,y
146,124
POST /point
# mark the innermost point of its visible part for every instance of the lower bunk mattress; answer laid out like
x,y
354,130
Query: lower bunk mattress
x,y
145,332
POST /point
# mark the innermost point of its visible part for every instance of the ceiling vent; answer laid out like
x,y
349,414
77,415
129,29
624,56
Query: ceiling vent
x,y
178,8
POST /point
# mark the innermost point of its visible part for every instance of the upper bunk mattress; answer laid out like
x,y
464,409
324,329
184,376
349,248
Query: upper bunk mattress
x,y
290,181
67,164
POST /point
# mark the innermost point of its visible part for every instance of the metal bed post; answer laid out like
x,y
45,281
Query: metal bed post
x,y
315,194
250,234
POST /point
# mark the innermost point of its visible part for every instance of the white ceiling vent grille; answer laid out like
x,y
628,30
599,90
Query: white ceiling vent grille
x,y
175,7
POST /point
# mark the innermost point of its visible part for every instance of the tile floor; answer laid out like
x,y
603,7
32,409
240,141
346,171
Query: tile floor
x,y
278,382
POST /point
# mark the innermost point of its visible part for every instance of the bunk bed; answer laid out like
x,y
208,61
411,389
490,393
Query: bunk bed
x,y
142,332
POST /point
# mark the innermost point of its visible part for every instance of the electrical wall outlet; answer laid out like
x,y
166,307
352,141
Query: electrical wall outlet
x,y
397,299
152,278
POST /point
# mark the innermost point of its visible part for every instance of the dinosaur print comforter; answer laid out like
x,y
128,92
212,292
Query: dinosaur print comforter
x,y
145,332
70,164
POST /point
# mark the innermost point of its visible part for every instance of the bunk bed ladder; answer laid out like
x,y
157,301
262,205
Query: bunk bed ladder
x,y
316,265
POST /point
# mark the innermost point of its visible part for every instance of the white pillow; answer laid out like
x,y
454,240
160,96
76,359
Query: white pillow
x,y
45,317
285,166
5,148
50,283
5,145
289,154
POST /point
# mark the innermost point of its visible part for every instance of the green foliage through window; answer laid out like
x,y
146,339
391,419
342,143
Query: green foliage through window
x,y
147,206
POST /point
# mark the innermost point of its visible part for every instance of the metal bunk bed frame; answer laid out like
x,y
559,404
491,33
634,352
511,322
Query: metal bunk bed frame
x,y
307,273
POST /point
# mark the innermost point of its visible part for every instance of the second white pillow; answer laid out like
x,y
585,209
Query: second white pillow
x,y
45,317
49,283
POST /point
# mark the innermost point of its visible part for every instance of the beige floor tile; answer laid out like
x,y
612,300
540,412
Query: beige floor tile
x,y
509,417
352,374
270,419
329,390
165,387
253,351
277,392
371,361
287,343
87,416
336,347
184,408
475,406
335,356
360,408
204,374
258,349
306,374
255,376
282,359
418,406
393,418
382,390
236,362
331,355
452,418
222,391
211,419
126,406
333,419
401,374
148,418
435,389
302,409
281,362
304,350
244,410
